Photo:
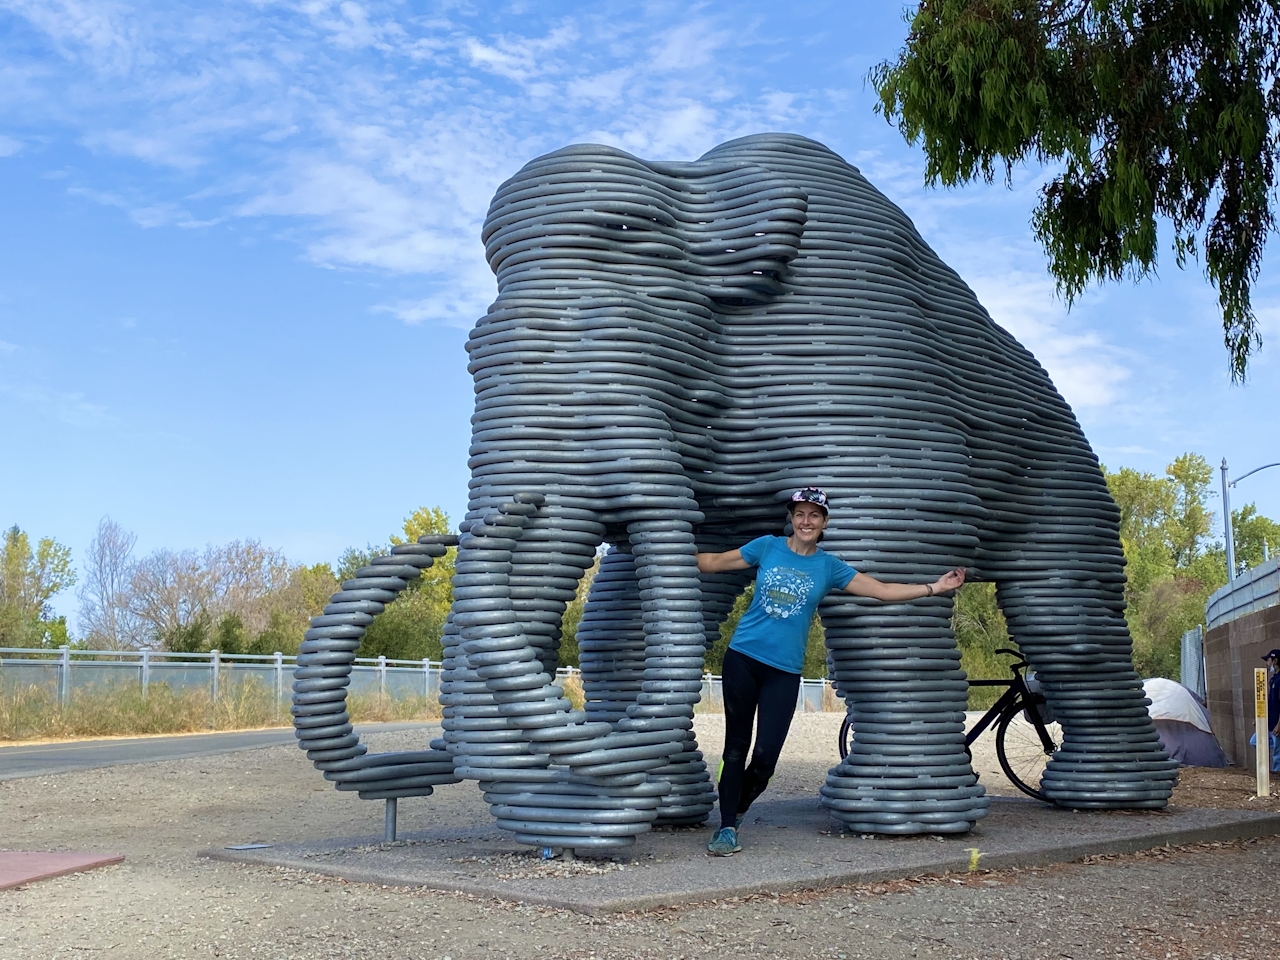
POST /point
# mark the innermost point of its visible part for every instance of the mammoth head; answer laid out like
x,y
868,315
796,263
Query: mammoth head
x,y
589,215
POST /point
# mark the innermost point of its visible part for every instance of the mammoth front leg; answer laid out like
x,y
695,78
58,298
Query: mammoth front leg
x,y
671,611
907,771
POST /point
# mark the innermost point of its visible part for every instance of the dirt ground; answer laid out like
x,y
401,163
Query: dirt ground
x,y
1214,900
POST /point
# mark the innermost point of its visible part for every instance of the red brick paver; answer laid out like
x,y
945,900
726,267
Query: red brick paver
x,y
24,866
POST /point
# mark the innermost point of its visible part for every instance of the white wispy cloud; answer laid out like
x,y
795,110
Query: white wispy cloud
x,y
9,146
71,408
373,137
688,46
1088,370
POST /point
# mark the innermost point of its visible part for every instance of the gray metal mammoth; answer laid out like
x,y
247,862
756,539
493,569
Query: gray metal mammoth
x,y
674,348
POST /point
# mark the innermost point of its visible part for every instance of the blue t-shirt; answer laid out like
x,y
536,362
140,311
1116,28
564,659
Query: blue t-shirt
x,y
775,628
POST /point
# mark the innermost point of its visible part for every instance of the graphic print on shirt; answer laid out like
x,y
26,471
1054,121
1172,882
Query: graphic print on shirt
x,y
785,591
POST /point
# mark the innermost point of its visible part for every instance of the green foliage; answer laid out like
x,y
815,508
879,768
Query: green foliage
x,y
715,655
193,636
1149,110
1251,531
412,625
980,630
1171,567
29,580
1190,520
815,652
573,616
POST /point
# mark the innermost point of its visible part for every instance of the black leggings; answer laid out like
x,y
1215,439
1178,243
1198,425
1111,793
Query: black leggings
x,y
752,688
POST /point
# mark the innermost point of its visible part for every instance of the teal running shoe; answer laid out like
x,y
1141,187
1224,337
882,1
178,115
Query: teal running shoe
x,y
724,843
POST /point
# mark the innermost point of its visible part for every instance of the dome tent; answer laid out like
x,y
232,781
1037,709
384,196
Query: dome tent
x,y
1183,724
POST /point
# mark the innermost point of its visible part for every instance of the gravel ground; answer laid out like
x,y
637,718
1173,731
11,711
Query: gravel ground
x,y
1214,900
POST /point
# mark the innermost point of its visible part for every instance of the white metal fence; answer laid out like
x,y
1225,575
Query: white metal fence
x,y
1193,661
1253,590
63,671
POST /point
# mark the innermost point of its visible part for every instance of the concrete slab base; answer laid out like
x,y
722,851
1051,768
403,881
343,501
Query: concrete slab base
x,y
787,845
26,866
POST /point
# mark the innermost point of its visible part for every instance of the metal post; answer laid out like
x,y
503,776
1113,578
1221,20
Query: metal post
x,y
389,828
1262,753
279,661
426,677
64,675
146,672
214,663
1226,524
382,675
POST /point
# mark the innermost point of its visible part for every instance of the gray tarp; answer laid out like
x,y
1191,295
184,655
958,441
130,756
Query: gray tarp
x,y
1183,724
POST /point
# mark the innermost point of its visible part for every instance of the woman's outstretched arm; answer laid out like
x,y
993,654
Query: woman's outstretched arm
x,y
721,562
864,586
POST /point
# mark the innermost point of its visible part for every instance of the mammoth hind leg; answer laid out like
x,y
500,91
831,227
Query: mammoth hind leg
x,y
907,771
611,639
1073,633
612,650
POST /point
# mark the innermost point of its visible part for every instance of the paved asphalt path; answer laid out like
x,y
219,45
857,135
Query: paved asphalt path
x,y
43,759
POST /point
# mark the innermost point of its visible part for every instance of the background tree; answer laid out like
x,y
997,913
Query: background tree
x,y
106,618
1257,538
1171,564
412,625
29,580
1150,109
239,597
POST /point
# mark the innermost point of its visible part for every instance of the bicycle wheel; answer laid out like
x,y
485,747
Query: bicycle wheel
x,y
846,736
1020,751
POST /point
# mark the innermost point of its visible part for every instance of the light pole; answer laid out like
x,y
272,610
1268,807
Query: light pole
x,y
1226,524
1226,513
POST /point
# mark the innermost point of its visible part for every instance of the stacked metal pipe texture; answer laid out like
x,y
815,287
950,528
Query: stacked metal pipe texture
x,y
675,347
320,681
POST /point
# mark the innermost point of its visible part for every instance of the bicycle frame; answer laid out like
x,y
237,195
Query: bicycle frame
x,y
1016,688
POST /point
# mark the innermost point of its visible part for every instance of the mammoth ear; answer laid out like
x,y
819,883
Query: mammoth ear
x,y
742,225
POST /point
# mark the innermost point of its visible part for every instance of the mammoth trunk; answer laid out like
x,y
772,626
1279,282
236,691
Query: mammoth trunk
x,y
507,722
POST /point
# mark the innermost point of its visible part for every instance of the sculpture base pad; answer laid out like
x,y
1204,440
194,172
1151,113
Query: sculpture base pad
x,y
788,844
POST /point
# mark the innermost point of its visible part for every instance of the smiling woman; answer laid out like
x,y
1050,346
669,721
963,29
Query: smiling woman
x,y
762,666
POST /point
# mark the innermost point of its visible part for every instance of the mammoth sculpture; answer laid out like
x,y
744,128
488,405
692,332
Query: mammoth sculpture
x,y
674,348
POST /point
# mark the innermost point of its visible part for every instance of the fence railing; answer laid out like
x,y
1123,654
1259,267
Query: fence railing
x,y
63,671
1250,592
1193,661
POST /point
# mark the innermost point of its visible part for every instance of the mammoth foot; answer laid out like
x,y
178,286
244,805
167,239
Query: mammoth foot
x,y
907,771
1111,756
902,786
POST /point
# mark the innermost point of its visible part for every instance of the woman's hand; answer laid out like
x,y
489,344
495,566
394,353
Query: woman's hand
x,y
863,585
949,581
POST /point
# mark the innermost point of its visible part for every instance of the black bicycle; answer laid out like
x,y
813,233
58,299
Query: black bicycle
x,y
1026,734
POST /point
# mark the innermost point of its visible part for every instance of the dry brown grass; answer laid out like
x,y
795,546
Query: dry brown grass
x,y
572,686
378,708
831,703
120,709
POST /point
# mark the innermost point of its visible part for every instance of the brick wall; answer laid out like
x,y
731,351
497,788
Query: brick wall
x,y
1231,652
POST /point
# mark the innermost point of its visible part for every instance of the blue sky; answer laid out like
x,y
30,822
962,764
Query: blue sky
x,y
241,246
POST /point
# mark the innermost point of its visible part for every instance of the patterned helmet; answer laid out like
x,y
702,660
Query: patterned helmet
x,y
812,495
